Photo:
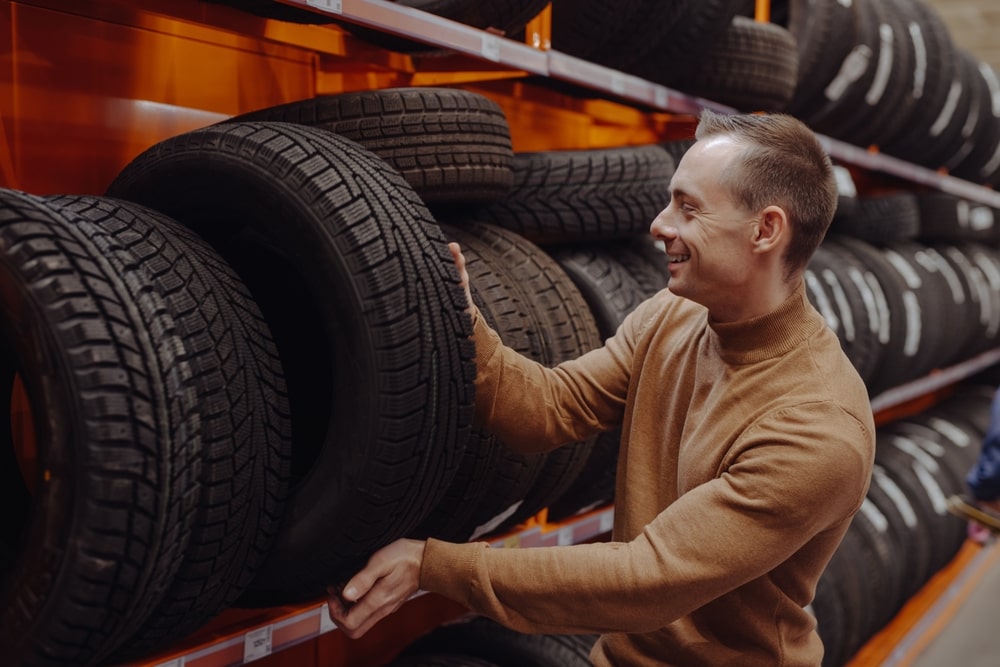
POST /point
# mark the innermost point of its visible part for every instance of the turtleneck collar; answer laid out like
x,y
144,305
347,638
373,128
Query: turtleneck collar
x,y
770,335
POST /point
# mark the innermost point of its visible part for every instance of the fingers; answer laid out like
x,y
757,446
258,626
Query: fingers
x,y
390,578
463,273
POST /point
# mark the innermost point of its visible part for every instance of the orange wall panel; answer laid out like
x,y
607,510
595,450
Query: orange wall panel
x,y
83,96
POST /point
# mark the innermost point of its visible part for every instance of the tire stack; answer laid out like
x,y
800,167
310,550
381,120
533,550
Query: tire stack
x,y
249,365
897,264
903,533
246,367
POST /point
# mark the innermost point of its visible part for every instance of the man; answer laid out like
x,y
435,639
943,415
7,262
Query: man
x,y
747,436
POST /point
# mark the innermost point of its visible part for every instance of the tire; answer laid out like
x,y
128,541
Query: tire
x,y
95,536
750,66
889,99
486,476
243,417
363,299
452,146
824,32
482,637
839,292
608,288
568,330
884,218
584,195
950,218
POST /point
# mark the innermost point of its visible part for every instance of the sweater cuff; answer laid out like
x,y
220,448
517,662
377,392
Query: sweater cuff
x,y
448,569
487,341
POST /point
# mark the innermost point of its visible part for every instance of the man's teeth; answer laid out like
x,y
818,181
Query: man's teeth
x,y
675,259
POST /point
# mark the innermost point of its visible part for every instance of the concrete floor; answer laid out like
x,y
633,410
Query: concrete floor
x,y
971,637
962,628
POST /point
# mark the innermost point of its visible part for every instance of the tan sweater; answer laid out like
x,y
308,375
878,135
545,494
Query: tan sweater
x,y
746,450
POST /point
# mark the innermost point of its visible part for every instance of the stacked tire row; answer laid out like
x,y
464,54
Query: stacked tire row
x,y
868,72
894,268
249,362
882,72
903,533
251,353
248,366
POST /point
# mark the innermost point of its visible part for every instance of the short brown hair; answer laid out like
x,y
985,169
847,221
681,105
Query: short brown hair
x,y
783,164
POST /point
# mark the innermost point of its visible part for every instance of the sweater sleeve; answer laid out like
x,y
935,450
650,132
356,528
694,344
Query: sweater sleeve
x,y
533,408
784,487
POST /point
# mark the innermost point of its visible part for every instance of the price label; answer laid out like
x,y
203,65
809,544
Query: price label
x,y
660,97
511,542
335,6
565,536
326,624
607,522
491,47
257,644
617,84
176,662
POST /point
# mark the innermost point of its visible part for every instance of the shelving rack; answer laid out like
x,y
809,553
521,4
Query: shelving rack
x,y
239,636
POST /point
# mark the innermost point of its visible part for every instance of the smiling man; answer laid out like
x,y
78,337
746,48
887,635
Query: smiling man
x,y
747,436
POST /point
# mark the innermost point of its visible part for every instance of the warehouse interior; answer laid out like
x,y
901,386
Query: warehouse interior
x,y
203,434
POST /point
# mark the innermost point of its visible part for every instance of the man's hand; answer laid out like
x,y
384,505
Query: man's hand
x,y
390,578
463,273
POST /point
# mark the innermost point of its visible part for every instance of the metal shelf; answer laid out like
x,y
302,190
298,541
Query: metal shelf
x,y
238,637
431,29
249,637
272,631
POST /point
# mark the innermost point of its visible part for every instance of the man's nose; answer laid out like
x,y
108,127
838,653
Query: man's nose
x,y
660,228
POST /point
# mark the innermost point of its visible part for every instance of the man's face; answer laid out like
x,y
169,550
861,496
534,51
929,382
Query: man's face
x,y
707,236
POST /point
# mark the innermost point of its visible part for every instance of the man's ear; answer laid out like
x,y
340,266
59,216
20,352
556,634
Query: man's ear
x,y
770,230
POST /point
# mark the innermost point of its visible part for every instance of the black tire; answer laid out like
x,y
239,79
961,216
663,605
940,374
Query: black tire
x,y
584,195
844,93
824,32
452,146
97,534
897,307
608,288
243,418
645,260
889,99
482,637
363,299
883,218
906,515
440,660
568,330
486,476
840,293
615,35
948,217
750,66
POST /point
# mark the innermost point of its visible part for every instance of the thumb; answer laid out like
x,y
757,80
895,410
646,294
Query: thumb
x,y
463,272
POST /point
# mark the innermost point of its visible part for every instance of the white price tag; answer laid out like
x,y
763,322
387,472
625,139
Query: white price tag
x,y
257,644
607,521
660,97
176,662
335,6
325,623
565,536
617,84
491,47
